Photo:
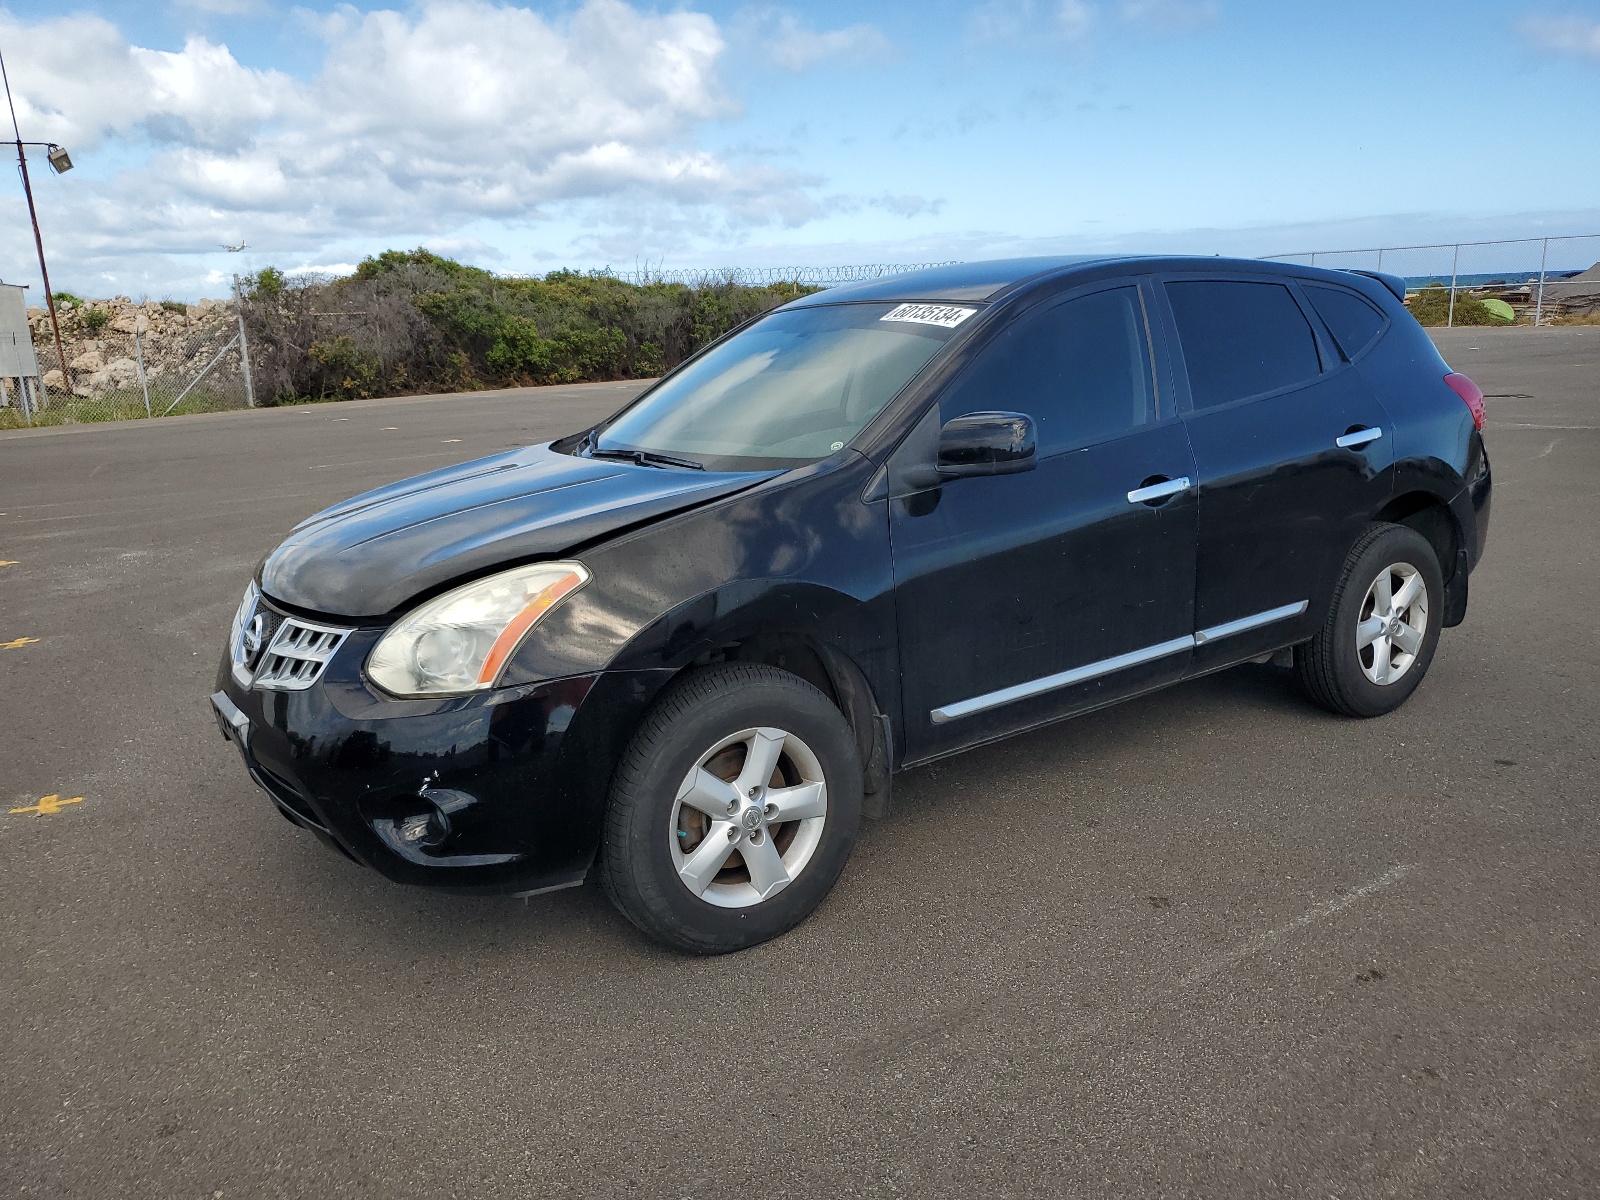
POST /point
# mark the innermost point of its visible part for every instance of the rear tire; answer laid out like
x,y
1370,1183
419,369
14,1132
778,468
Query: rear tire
x,y
733,809
1382,627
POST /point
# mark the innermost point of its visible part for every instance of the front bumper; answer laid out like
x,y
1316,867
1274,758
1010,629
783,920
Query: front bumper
x,y
513,780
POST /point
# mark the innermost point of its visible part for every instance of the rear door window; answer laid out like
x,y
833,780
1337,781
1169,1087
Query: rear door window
x,y
1354,323
1080,369
1241,339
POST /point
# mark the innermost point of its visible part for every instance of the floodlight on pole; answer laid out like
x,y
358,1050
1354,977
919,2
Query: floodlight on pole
x,y
61,167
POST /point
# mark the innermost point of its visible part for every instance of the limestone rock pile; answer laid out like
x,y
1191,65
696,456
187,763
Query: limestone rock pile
x,y
103,340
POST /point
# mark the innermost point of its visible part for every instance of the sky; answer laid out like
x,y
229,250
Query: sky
x,y
527,137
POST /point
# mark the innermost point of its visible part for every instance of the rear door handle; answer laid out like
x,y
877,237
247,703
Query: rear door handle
x,y
1158,491
1358,438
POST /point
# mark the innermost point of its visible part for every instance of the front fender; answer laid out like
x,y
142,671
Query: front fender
x,y
738,612
802,554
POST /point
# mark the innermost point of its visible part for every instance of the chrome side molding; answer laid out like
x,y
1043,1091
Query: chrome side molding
x,y
1244,624
1048,683
1121,662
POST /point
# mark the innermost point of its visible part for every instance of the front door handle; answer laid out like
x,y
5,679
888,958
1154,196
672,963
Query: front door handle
x,y
1358,438
1154,493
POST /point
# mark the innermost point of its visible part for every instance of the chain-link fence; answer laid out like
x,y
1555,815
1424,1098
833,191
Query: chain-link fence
x,y
1529,281
127,361
153,359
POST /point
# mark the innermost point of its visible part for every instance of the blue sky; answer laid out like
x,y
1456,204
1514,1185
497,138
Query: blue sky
x,y
526,137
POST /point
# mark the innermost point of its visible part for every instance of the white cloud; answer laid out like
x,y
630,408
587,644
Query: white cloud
x,y
1077,20
224,8
76,81
1169,15
1564,35
1007,20
422,121
907,205
795,47
323,269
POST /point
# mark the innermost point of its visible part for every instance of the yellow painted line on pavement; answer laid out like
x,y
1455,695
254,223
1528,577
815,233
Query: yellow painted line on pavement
x,y
17,643
8,562
48,806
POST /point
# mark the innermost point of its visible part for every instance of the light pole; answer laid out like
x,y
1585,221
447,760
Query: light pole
x,y
62,162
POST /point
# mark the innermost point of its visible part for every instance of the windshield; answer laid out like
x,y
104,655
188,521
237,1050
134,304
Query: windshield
x,y
792,388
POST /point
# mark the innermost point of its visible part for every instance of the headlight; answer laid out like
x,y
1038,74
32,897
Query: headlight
x,y
460,641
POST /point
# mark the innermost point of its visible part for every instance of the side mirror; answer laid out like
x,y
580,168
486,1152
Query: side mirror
x,y
986,443
982,443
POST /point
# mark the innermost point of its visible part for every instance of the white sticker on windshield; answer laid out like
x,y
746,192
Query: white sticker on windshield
x,y
946,315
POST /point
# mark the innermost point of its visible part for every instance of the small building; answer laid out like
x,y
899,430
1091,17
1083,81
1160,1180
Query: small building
x,y
20,386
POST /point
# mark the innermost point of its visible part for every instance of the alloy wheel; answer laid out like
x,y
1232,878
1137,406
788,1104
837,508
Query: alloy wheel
x,y
1393,622
748,817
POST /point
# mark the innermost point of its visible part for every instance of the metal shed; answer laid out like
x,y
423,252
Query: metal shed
x,y
19,364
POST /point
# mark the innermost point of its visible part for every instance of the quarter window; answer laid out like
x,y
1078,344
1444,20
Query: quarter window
x,y
1353,322
1080,369
1241,339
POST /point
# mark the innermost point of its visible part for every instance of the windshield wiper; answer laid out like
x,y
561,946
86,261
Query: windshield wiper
x,y
647,458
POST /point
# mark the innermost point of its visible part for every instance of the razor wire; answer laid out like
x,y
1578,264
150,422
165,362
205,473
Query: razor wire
x,y
699,277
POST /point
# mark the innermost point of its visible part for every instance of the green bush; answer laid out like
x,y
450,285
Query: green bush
x,y
266,284
96,319
519,350
68,299
413,321
1431,306
175,306
350,371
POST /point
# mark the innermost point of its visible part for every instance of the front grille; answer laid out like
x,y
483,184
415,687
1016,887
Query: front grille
x,y
298,654
278,652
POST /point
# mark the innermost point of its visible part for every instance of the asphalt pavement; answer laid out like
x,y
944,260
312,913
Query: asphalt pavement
x,y
1214,942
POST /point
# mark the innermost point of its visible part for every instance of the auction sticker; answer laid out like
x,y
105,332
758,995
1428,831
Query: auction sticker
x,y
946,315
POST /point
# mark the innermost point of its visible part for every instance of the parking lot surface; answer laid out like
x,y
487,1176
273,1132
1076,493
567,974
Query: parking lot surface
x,y
1213,942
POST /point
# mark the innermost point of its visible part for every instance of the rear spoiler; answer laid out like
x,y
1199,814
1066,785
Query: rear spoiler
x,y
1393,282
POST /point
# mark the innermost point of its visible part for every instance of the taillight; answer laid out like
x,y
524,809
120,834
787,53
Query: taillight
x,y
1471,395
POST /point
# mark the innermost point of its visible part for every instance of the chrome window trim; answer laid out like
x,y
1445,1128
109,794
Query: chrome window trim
x,y
1106,666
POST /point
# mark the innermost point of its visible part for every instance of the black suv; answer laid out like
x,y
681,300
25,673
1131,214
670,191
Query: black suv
x,y
690,646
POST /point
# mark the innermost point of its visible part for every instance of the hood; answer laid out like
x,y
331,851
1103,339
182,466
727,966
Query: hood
x,y
372,554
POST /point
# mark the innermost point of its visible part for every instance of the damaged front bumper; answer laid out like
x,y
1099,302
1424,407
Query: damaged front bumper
x,y
500,791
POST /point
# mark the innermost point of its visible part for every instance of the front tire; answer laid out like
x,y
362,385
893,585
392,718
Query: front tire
x,y
1382,628
733,810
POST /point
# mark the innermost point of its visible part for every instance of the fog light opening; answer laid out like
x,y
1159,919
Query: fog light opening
x,y
424,830
421,830
421,826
